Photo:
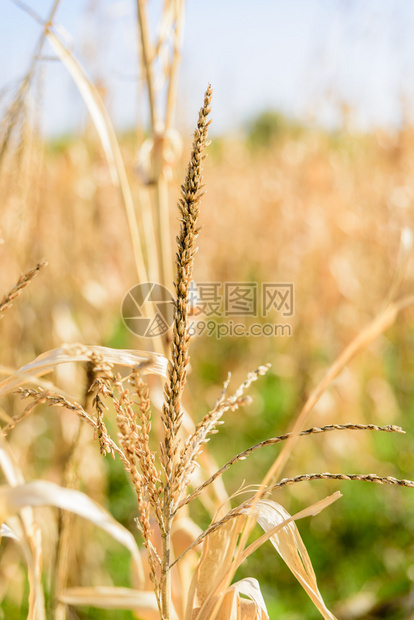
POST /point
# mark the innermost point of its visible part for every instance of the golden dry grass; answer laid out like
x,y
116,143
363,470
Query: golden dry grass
x,y
325,212
306,211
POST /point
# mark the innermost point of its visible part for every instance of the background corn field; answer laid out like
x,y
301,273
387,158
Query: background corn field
x,y
285,202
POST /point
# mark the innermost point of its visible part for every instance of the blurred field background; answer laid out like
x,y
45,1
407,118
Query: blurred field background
x,y
288,199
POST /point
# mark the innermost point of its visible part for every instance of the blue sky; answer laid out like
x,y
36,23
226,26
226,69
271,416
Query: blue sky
x,y
304,57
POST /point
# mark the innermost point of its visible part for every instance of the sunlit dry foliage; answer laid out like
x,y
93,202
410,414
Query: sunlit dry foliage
x,y
328,213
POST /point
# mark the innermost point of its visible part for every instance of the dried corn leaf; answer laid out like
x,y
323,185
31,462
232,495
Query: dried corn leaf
x,y
250,611
26,531
43,383
256,607
108,138
184,533
7,532
9,464
106,597
230,607
217,556
40,493
92,99
288,543
151,362
312,510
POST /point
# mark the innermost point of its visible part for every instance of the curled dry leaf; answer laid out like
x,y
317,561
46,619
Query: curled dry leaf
x,y
25,530
92,100
7,532
288,543
209,595
40,493
151,363
233,607
255,609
